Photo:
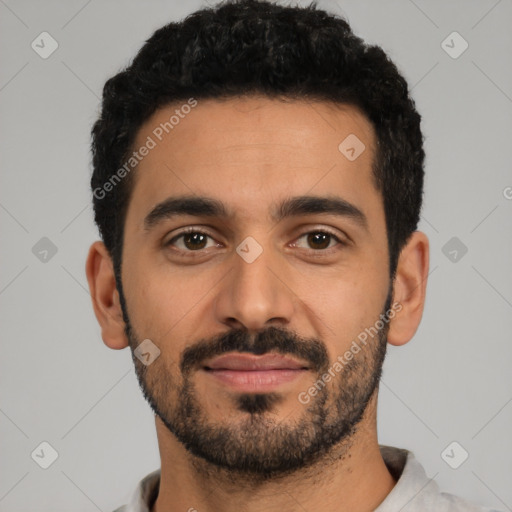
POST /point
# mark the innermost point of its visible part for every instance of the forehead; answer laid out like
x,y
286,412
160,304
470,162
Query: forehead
x,y
248,152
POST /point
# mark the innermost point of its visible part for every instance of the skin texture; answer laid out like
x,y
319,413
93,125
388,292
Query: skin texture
x,y
250,154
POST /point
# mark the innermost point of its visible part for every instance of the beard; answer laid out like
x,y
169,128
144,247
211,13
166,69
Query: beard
x,y
258,444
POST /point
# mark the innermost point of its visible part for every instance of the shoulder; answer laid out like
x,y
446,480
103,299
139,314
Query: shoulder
x,y
144,495
415,491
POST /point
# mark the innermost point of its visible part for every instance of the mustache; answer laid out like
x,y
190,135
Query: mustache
x,y
272,339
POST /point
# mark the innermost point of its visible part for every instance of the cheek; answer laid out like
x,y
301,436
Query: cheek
x,y
345,305
157,306
162,302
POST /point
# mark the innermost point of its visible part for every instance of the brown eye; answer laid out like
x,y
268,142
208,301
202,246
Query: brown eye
x,y
194,241
190,241
319,240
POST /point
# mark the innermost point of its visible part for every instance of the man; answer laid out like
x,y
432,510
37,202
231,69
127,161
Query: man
x,y
258,177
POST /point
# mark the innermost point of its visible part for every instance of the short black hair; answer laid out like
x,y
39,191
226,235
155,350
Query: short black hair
x,y
244,47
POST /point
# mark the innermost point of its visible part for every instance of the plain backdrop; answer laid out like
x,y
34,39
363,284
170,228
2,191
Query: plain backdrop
x,y
61,385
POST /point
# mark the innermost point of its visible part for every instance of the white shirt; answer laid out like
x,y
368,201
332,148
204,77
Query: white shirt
x,y
413,492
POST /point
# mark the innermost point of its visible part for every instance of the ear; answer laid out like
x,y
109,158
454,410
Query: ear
x,y
409,288
105,297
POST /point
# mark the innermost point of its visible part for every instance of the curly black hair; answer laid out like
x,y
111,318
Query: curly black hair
x,y
243,47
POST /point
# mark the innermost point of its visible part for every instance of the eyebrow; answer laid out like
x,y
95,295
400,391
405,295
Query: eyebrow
x,y
199,206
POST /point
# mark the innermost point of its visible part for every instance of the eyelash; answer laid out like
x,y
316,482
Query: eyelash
x,y
193,230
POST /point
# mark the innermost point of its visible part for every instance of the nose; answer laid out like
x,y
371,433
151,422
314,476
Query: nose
x,y
255,295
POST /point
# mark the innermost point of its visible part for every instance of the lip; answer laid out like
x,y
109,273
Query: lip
x,y
250,362
250,373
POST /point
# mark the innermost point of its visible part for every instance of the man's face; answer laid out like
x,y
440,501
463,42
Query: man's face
x,y
250,306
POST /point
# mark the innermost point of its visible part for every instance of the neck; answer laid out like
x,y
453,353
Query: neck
x,y
352,477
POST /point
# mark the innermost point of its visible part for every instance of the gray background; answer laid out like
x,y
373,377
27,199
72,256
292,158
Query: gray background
x,y
60,384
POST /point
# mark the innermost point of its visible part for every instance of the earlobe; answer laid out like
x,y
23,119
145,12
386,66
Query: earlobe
x,y
105,297
409,288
